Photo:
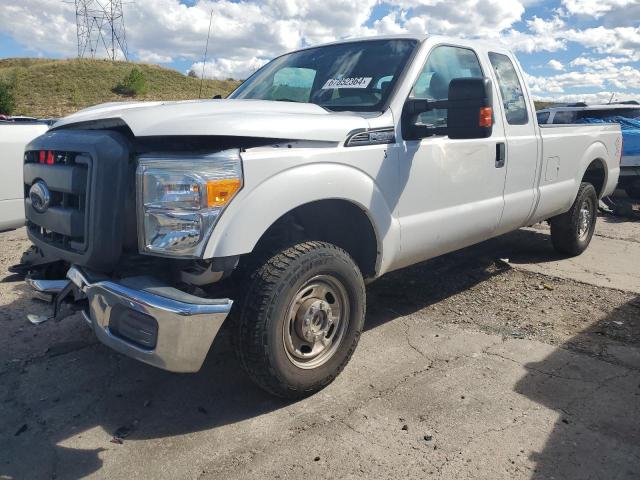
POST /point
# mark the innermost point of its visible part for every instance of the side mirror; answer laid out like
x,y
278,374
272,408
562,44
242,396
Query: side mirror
x,y
469,111
470,108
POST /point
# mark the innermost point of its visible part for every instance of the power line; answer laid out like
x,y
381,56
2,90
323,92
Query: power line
x,y
100,29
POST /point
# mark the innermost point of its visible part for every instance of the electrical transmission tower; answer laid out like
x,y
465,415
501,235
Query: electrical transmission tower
x,y
100,26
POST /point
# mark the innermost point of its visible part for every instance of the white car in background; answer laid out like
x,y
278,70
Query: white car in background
x,y
13,138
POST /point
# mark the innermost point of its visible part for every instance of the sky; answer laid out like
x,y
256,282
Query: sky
x,y
571,50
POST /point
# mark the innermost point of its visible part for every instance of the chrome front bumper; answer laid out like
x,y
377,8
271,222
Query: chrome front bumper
x,y
185,325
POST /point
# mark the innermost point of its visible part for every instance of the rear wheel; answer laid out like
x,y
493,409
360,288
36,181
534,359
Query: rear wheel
x,y
300,319
572,231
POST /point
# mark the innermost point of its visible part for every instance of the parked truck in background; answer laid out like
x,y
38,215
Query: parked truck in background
x,y
327,168
14,136
627,114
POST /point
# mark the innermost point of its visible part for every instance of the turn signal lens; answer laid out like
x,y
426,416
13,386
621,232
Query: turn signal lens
x,y
219,192
486,117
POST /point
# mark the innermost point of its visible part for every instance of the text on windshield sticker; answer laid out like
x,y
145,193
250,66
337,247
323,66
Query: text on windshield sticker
x,y
352,82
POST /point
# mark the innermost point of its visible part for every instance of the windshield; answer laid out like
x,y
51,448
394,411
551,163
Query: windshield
x,y
356,76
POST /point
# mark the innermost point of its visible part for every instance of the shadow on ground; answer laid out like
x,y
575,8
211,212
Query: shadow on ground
x,y
597,397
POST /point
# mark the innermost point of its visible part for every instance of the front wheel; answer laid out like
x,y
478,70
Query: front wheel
x,y
572,231
300,319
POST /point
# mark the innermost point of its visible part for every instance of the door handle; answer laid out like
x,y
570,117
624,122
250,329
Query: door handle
x,y
501,153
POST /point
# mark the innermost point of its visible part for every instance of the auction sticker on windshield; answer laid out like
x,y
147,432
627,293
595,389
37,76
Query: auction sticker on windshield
x,y
350,82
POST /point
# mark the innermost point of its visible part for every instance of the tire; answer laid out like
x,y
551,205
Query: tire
x,y
300,299
572,231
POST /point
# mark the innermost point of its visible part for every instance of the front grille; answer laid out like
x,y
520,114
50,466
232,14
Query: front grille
x,y
86,177
65,176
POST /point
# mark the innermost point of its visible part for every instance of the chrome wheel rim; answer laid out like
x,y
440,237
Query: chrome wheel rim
x,y
584,220
316,322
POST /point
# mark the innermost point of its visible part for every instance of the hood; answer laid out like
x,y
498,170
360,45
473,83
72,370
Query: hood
x,y
241,118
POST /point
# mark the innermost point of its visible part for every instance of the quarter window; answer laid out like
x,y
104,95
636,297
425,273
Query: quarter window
x,y
564,117
515,106
444,64
543,117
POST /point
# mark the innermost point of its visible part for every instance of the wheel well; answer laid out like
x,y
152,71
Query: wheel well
x,y
595,175
335,221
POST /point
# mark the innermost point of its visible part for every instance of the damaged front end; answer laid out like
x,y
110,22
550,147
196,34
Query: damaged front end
x,y
140,317
118,232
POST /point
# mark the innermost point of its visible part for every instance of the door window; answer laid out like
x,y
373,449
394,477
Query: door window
x,y
444,64
515,106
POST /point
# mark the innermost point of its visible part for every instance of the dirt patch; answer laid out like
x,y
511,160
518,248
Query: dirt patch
x,y
493,406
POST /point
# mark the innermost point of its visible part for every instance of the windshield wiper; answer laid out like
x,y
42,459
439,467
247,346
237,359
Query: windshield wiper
x,y
287,100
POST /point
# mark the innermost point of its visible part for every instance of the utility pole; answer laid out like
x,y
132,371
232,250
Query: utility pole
x,y
100,28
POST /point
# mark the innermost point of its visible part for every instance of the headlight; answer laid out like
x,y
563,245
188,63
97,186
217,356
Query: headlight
x,y
180,199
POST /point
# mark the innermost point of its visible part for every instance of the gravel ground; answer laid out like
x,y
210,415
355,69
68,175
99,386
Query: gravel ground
x,y
468,368
494,298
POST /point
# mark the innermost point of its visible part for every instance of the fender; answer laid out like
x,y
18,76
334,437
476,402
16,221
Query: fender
x,y
596,151
254,210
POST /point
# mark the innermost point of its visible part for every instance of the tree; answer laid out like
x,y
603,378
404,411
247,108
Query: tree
x,y
135,83
192,74
7,99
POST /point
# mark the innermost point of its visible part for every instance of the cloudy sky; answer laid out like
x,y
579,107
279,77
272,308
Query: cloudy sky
x,y
570,49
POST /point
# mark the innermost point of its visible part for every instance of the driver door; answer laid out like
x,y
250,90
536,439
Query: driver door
x,y
451,190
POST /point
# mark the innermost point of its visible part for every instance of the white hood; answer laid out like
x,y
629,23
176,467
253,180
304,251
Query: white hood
x,y
243,118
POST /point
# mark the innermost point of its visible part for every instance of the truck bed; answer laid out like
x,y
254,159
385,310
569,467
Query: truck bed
x,y
563,147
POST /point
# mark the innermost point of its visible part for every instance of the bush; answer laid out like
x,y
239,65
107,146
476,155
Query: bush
x,y
135,83
7,99
192,74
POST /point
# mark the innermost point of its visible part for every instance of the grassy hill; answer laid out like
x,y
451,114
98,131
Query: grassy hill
x,y
54,88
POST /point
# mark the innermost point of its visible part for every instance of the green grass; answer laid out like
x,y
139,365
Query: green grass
x,y
54,88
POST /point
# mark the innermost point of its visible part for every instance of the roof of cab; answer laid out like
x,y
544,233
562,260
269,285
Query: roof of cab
x,y
407,36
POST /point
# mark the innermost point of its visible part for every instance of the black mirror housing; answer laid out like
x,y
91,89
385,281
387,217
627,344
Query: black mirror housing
x,y
469,111
470,108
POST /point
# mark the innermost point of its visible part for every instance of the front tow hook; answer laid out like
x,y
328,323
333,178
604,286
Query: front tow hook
x,y
66,297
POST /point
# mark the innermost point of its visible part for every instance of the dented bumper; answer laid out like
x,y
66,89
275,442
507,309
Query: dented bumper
x,y
149,321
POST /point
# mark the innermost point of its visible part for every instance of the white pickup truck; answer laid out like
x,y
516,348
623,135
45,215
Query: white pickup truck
x,y
327,168
13,138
